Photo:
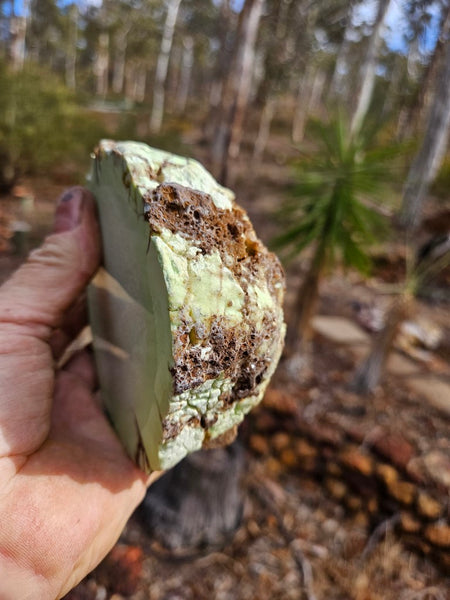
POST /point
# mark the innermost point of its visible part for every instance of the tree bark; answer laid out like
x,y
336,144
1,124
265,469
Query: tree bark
x,y
368,70
120,50
299,330
135,82
221,71
141,83
235,92
17,32
102,64
416,113
198,503
244,76
264,128
71,52
162,66
393,90
431,152
187,62
302,104
340,66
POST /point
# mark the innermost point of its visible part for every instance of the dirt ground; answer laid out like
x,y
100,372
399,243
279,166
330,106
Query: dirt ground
x,y
303,537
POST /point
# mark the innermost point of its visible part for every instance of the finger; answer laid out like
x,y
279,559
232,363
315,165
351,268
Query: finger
x,y
38,294
74,320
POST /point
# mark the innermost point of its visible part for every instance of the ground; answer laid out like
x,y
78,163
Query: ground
x,y
308,532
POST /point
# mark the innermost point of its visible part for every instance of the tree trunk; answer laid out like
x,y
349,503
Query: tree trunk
x,y
235,94
244,76
197,504
17,32
429,157
264,129
299,331
302,104
187,63
120,50
368,70
102,64
393,90
71,53
130,81
140,83
340,67
368,375
414,115
221,71
162,66
316,92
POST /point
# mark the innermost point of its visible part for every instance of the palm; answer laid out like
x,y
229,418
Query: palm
x,y
327,211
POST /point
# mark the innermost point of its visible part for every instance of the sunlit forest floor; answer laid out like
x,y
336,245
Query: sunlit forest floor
x,y
322,507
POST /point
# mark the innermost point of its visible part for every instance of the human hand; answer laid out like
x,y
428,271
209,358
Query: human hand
x,y
66,486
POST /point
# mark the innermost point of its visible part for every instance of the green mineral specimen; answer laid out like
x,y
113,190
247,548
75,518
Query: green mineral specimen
x,y
186,312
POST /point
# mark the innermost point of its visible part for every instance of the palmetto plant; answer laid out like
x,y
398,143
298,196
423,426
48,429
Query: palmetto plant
x,y
334,209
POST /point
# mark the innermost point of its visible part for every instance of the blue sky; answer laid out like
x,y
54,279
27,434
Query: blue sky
x,y
395,29
395,22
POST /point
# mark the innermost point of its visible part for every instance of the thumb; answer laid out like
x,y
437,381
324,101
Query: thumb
x,y
39,293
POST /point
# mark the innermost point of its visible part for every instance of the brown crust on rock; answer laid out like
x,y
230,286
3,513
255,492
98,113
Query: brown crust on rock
x,y
221,440
194,215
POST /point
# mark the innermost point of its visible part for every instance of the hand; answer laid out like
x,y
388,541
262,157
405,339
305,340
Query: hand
x,y
66,486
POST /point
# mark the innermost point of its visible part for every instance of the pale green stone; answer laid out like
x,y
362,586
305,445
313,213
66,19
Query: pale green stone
x,y
201,282
149,290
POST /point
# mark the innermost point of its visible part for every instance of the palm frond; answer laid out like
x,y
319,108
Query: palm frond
x,y
325,206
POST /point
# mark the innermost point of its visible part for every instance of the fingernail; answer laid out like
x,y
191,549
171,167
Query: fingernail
x,y
69,210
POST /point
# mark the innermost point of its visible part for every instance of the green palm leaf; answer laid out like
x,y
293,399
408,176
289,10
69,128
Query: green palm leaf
x,y
327,202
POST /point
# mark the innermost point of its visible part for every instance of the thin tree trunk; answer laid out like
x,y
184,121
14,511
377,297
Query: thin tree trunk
x,y
17,33
316,92
102,64
368,375
141,83
403,129
221,70
299,331
264,128
235,93
135,82
302,104
340,67
130,79
311,100
368,70
187,62
393,89
120,50
173,77
162,66
71,54
245,75
414,117
429,157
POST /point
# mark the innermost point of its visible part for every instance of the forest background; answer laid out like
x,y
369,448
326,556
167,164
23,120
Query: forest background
x,y
329,118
